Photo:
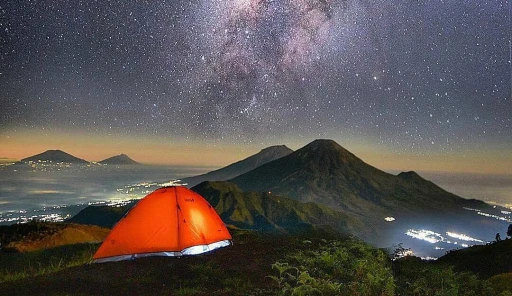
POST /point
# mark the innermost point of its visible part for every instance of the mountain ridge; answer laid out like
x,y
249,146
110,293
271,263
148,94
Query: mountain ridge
x,y
240,167
326,173
59,156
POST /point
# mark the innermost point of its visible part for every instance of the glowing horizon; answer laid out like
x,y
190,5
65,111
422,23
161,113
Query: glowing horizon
x,y
182,152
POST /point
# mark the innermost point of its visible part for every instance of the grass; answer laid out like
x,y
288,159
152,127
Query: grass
x,y
16,266
256,264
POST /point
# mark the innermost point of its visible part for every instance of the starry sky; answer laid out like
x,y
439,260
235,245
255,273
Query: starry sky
x,y
403,84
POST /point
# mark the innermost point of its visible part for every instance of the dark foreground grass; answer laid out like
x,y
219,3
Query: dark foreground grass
x,y
256,264
16,266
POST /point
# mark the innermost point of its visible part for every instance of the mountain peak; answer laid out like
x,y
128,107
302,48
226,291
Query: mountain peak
x,y
320,167
276,148
323,142
121,159
325,145
235,169
411,176
54,156
327,152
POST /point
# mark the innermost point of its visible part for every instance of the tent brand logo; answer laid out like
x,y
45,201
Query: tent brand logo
x,y
189,199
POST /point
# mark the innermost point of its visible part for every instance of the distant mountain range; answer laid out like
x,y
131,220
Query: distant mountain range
x,y
321,186
240,167
327,174
59,156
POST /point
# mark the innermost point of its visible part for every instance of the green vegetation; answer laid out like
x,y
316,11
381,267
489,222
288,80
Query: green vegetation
x,y
257,264
354,268
38,235
417,277
268,212
32,230
15,266
335,268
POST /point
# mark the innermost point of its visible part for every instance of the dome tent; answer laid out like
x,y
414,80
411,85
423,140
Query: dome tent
x,y
170,221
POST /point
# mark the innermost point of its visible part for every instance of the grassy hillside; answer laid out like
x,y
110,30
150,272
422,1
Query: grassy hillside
x,y
245,210
35,235
269,212
104,216
484,260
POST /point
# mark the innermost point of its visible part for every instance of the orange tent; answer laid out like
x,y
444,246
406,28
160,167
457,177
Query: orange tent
x,y
171,221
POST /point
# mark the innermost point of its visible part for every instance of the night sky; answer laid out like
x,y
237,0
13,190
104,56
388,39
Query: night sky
x,y
411,79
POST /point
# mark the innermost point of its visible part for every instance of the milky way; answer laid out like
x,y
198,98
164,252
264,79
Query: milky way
x,y
407,75
253,55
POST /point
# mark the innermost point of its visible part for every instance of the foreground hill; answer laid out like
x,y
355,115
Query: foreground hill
x,y
240,167
104,216
54,156
240,269
484,260
35,236
325,173
121,159
256,264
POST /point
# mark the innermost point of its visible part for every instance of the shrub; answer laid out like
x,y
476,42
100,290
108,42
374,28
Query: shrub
x,y
336,268
502,283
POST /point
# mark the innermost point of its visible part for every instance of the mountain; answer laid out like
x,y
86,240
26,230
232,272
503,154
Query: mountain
x,y
325,173
121,159
54,156
240,167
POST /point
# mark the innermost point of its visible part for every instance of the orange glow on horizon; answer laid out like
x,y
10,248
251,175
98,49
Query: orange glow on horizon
x,y
153,150
100,147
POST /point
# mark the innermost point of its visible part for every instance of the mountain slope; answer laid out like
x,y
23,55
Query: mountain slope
x,y
54,156
35,236
269,212
104,216
121,159
240,167
325,173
